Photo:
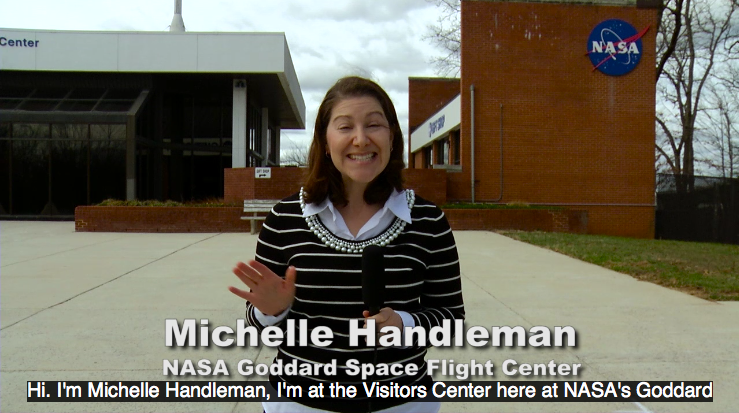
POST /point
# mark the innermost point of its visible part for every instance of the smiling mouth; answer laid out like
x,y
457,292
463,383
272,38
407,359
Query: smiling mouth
x,y
360,158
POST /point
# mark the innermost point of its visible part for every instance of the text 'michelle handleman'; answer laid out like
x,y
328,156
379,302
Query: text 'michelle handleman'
x,y
448,334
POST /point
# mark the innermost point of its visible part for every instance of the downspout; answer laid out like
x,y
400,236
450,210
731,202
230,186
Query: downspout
x,y
501,156
472,140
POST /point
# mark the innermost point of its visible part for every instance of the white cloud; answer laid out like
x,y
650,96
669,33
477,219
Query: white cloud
x,y
328,39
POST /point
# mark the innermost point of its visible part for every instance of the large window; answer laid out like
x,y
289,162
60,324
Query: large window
x,y
107,169
29,171
50,168
442,155
272,154
5,160
185,161
68,167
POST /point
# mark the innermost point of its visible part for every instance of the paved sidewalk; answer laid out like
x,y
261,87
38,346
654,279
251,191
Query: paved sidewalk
x,y
91,306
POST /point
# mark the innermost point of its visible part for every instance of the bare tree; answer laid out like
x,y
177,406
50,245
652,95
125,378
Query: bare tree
x,y
720,125
294,155
669,25
446,34
706,34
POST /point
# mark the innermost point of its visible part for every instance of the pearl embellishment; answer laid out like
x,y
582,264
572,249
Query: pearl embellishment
x,y
355,247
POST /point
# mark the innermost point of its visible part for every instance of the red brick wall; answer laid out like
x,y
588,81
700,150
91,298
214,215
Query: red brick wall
x,y
519,219
571,136
416,160
240,184
426,96
183,219
159,219
428,183
635,222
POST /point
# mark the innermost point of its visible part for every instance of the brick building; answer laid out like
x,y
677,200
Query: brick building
x,y
549,128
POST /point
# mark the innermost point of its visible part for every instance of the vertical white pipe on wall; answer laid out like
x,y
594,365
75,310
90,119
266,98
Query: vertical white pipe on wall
x,y
472,140
265,136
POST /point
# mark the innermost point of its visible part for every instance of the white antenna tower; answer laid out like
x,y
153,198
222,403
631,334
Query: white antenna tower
x,y
178,25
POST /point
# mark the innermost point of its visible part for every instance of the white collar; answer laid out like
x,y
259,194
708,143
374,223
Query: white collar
x,y
396,203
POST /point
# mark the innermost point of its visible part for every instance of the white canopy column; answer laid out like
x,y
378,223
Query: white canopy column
x,y
239,149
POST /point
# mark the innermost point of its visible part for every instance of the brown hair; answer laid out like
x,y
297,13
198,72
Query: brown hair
x,y
323,179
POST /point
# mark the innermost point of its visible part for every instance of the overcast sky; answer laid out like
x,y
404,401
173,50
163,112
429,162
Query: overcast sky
x,y
327,39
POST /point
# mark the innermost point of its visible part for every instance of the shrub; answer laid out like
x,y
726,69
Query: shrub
x,y
211,202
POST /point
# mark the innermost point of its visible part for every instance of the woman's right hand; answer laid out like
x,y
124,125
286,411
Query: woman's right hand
x,y
270,293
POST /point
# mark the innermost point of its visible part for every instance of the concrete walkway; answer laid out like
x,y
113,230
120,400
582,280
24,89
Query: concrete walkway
x,y
91,306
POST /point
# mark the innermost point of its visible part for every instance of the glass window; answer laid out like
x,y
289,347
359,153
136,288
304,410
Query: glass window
x,y
39,105
272,148
206,181
68,173
114,106
52,93
188,121
15,92
93,94
107,170
30,176
77,105
31,130
442,155
108,132
226,124
254,126
4,175
9,104
122,94
207,117
69,131
428,156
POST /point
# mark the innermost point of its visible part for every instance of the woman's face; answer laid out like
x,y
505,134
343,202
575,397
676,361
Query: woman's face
x,y
359,140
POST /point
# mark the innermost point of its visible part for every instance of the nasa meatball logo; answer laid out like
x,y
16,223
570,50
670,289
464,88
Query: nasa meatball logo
x,y
615,47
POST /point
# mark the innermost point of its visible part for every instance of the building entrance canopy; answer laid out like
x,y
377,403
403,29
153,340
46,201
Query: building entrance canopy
x,y
18,104
238,55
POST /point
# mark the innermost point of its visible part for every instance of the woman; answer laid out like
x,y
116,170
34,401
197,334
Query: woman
x,y
353,197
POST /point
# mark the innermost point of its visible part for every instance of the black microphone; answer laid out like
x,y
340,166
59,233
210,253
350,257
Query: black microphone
x,y
373,278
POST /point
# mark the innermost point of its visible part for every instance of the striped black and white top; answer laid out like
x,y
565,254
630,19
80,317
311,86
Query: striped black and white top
x,y
422,275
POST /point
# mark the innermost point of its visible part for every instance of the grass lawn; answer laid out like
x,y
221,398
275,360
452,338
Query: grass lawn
x,y
706,270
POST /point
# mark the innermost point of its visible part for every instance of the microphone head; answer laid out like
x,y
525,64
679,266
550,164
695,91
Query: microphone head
x,y
373,278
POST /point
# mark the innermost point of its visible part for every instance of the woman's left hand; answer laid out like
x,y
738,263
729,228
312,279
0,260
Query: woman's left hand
x,y
386,317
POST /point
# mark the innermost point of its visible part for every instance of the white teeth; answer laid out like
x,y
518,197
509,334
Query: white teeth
x,y
362,157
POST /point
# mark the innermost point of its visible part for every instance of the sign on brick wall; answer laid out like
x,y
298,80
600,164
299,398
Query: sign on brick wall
x,y
615,47
263,173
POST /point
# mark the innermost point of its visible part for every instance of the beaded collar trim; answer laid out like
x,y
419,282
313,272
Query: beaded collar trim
x,y
354,247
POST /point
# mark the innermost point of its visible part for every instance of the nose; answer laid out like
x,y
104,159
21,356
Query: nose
x,y
360,137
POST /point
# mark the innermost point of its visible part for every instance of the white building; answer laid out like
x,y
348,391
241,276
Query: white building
x,y
86,116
